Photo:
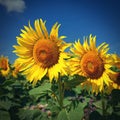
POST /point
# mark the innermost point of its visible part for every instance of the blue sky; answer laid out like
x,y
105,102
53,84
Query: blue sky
x,y
78,18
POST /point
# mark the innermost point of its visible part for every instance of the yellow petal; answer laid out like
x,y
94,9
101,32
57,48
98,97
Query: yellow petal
x,y
38,29
54,30
44,30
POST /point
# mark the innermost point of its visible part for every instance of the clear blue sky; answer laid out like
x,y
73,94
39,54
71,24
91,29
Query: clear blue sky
x,y
78,18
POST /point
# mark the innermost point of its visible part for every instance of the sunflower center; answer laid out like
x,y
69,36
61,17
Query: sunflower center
x,y
46,53
3,64
92,65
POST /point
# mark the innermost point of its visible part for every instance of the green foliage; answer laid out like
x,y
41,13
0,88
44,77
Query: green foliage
x,y
63,115
19,100
115,69
73,81
78,112
4,115
29,114
40,91
74,114
7,83
12,97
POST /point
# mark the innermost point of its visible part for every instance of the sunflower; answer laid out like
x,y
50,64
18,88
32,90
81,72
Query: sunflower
x,y
4,66
17,68
92,62
115,76
116,59
41,53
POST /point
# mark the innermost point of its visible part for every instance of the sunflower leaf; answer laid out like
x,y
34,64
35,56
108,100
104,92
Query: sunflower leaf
x,y
63,115
115,69
4,115
29,114
74,81
41,89
7,83
77,113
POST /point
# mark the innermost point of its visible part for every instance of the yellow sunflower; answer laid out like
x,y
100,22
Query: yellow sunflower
x,y
115,76
92,62
116,59
17,67
41,54
4,66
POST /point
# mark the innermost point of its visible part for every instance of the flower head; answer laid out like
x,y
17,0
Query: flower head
x,y
115,76
92,62
17,67
4,66
41,54
116,59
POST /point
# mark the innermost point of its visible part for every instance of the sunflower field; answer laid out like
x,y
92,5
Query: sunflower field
x,y
55,80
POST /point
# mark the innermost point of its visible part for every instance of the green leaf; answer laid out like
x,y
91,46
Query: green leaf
x,y
10,95
74,81
77,113
109,110
7,83
16,83
77,89
98,105
54,109
115,69
38,118
63,115
4,115
41,89
29,114
66,101
5,105
117,109
117,113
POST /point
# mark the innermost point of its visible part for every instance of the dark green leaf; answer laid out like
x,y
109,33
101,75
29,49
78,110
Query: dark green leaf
x,y
77,113
7,83
98,105
54,109
41,89
77,89
4,115
115,69
29,114
109,110
16,83
74,81
66,102
5,105
63,115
